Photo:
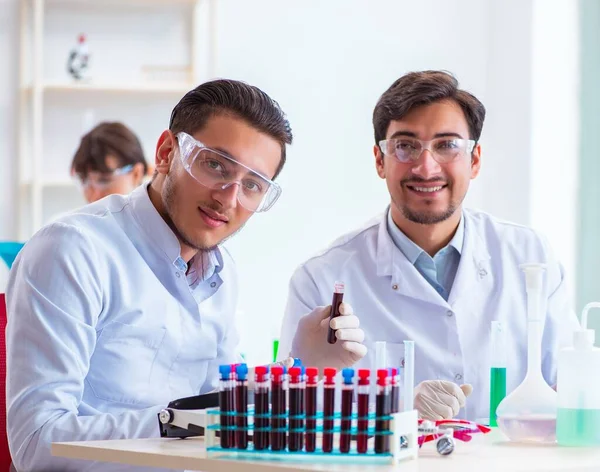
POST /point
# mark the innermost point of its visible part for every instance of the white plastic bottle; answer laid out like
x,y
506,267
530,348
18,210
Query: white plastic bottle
x,y
578,388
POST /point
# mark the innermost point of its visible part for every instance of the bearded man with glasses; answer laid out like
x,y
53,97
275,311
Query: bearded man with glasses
x,y
427,269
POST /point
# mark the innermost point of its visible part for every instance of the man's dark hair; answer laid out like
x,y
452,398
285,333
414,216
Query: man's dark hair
x,y
416,89
107,139
237,99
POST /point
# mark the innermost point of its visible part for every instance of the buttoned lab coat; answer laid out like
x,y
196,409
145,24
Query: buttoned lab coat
x,y
452,338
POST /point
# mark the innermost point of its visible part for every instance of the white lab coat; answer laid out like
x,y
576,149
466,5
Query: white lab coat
x,y
452,339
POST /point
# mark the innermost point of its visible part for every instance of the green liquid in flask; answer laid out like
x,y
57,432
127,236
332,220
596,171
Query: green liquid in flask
x,y
497,391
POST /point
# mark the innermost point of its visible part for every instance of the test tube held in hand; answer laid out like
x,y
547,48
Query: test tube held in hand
x,y
346,423
261,408
226,406
328,408
312,377
382,409
296,409
338,297
241,406
363,410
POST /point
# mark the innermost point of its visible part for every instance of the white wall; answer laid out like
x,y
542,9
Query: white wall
x,y
327,63
555,127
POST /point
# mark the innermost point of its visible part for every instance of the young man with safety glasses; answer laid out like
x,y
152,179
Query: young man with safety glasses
x,y
427,269
129,303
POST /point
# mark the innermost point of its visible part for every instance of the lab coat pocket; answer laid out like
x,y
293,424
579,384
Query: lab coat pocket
x,y
122,362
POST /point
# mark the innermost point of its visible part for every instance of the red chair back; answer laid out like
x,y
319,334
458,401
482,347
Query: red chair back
x,y
4,452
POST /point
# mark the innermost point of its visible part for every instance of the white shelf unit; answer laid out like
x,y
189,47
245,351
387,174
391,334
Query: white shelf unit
x,y
43,178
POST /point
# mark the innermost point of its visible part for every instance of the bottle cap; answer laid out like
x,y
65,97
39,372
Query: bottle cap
x,y
225,371
348,374
241,371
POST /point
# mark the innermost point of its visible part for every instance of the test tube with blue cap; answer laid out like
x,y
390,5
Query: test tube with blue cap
x,y
241,406
226,404
346,416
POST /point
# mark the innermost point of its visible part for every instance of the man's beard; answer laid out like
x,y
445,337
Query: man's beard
x,y
169,199
427,218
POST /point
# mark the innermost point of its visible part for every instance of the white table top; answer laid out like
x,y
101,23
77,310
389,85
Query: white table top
x,y
489,452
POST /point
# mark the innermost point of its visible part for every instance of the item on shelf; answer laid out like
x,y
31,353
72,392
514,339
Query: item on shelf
x,y
79,58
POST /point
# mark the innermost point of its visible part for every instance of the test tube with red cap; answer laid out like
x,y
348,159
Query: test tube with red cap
x,y
261,407
241,406
362,436
382,409
278,408
312,377
347,397
338,297
395,376
296,409
328,408
227,407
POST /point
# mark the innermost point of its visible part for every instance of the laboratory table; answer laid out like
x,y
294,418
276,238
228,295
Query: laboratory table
x,y
491,452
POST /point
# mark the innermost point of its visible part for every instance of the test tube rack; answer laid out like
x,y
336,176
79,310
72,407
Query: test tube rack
x,y
403,433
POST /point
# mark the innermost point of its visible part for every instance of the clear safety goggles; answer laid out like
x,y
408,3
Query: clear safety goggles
x,y
216,170
102,180
443,150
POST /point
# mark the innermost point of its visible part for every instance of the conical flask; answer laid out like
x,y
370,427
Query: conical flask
x,y
528,414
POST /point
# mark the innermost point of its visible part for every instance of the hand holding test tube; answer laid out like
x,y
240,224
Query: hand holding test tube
x,y
310,341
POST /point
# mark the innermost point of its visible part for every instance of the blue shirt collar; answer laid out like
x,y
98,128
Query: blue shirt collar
x,y
410,249
204,263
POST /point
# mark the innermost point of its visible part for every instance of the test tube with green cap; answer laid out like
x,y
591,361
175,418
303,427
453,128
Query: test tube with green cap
x,y
497,369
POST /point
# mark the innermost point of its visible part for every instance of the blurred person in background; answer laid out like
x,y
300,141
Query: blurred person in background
x,y
109,160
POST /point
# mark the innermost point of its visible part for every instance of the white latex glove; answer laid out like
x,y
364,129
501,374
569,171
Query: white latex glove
x,y
310,341
440,399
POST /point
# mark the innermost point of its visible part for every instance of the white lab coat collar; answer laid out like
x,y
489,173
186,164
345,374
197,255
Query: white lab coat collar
x,y
473,266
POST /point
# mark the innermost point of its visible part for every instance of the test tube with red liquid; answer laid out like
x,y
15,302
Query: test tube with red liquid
x,y
328,408
310,402
261,407
382,408
338,297
296,409
395,376
347,397
278,409
362,436
227,407
241,406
